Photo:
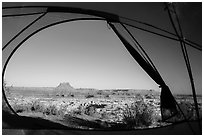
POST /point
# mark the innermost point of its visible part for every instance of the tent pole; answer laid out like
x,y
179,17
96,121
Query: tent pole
x,y
24,29
185,54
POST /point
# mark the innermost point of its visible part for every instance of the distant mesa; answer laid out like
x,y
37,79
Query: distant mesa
x,y
64,86
63,89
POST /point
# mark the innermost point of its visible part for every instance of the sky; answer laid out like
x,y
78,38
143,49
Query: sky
x,y
88,54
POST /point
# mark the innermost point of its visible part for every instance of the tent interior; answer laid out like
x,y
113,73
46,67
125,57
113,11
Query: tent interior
x,y
163,39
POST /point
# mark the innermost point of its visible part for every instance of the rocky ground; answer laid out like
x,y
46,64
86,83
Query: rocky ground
x,y
101,109
89,108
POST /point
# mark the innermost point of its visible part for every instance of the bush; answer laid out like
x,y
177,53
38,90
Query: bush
x,y
104,115
72,95
138,114
19,108
89,96
37,106
78,111
89,110
51,110
107,96
100,92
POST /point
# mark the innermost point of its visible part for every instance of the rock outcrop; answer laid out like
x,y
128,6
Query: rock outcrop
x,y
63,89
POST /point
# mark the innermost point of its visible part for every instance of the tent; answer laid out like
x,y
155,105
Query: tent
x,y
124,19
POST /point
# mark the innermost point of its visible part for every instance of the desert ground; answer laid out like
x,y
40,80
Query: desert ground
x,y
95,109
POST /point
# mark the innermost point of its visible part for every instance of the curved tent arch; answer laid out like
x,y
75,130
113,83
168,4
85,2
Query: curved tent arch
x,y
109,17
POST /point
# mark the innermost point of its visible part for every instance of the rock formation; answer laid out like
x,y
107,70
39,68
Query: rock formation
x,y
63,89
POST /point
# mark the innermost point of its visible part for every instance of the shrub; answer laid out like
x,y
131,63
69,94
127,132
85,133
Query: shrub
x,y
104,115
51,110
107,96
61,112
89,110
19,108
127,94
72,95
149,96
37,106
89,96
78,110
138,114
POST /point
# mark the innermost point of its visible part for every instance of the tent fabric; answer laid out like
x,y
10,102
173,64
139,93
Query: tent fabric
x,y
168,105
150,71
29,21
167,100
